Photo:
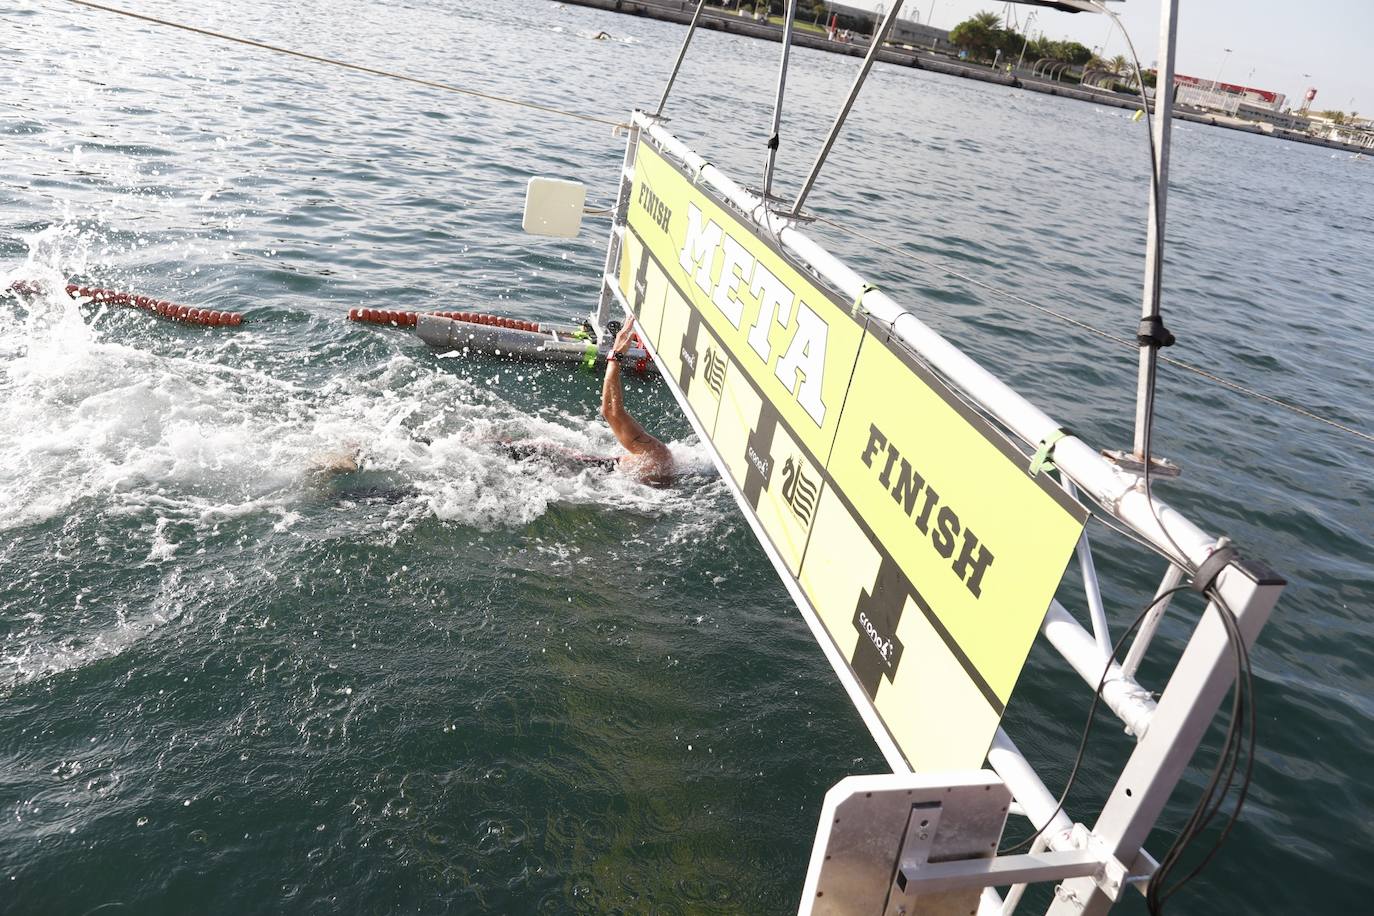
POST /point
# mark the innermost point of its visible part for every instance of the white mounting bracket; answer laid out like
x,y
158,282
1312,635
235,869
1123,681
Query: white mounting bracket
x,y
553,207
1112,875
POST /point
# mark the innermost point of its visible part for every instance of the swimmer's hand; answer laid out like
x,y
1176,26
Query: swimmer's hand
x,y
622,340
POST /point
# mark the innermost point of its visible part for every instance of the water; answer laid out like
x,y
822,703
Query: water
x,y
457,683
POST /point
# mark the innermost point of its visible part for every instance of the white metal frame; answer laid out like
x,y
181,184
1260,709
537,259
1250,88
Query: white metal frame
x,y
1094,865
1167,731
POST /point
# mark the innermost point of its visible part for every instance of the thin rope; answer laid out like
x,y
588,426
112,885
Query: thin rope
x,y
548,109
372,71
1105,335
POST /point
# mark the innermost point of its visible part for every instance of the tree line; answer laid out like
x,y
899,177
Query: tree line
x,y
983,36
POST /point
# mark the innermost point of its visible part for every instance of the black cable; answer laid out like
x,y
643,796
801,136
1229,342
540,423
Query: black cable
x,y
1092,711
1243,707
1243,711
1204,810
1223,774
1241,703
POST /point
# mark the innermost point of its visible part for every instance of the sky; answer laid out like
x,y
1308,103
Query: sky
x,y
1287,46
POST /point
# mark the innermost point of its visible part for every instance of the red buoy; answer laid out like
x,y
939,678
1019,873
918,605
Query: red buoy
x,y
159,307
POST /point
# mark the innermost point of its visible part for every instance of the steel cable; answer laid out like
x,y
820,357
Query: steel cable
x,y
610,122
372,71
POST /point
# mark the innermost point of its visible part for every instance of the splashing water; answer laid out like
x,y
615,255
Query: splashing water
x,y
109,426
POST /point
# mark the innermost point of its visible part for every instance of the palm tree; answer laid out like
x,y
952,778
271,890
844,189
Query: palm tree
x,y
1119,64
987,19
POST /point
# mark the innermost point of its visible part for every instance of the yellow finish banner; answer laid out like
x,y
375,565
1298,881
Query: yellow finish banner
x,y
910,526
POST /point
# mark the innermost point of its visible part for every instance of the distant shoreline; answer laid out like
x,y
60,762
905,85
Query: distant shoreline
x,y
680,11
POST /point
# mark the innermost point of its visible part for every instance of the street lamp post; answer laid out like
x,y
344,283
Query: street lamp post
x,y
1026,43
1216,83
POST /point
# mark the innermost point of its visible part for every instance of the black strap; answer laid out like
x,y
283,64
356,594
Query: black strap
x,y
1211,567
1153,333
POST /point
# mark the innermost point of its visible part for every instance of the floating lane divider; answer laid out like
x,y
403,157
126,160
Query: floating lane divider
x,y
473,332
409,319
209,318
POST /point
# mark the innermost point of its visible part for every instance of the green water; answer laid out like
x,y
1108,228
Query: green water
x,y
458,683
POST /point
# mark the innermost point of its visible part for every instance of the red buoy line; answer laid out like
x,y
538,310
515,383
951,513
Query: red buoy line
x,y
209,318
408,319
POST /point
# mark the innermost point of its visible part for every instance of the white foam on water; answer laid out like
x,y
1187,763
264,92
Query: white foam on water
x,y
89,416
107,426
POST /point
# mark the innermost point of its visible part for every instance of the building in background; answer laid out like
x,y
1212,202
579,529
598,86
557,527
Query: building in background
x,y
1283,120
904,31
916,35
1355,131
1225,97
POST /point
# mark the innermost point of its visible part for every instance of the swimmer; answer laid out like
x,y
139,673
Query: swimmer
x,y
558,456
341,474
601,36
330,463
648,459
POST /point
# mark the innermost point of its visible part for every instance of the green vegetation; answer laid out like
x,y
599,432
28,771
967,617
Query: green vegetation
x,y
983,36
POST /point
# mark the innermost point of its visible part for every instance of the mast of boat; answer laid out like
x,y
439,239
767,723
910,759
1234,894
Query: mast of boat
x,y
790,14
1152,335
878,38
681,56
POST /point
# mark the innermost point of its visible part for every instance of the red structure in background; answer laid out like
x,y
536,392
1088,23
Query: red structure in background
x,y
1263,96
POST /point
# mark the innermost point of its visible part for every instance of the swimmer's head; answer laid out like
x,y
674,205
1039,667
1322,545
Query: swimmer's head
x,y
345,459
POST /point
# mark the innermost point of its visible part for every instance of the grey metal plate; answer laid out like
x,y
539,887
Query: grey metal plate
x,y
865,829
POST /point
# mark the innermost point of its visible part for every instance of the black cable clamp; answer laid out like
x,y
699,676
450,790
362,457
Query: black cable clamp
x,y
1211,567
1153,333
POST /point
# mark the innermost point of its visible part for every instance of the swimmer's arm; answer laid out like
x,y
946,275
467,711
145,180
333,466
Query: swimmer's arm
x,y
625,427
